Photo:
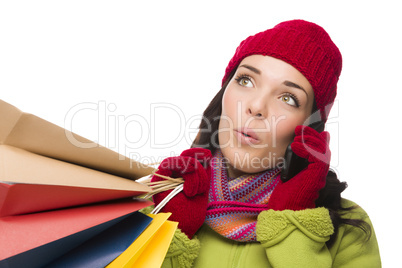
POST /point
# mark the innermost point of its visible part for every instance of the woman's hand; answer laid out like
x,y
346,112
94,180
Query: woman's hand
x,y
301,191
190,206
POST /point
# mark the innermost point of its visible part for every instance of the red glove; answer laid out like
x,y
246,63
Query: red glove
x,y
301,191
188,207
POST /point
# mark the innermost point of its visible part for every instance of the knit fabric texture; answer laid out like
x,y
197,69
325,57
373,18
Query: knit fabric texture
x,y
185,250
304,45
234,204
274,226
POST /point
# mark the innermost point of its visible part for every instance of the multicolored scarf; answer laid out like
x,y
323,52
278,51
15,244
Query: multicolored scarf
x,y
234,204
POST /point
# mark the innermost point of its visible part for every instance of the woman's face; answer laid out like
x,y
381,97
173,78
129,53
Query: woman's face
x,y
262,105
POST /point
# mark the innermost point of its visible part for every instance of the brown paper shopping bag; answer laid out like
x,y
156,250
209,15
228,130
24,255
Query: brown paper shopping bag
x,y
32,183
41,168
36,135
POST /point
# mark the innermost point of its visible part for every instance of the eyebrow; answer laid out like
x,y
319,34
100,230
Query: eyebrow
x,y
291,84
251,68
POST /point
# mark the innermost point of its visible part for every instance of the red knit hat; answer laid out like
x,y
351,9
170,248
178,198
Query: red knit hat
x,y
304,45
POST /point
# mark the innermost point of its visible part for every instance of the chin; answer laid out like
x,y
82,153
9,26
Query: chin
x,y
253,170
256,168
246,162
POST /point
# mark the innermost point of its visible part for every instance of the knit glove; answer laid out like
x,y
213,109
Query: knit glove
x,y
301,191
188,207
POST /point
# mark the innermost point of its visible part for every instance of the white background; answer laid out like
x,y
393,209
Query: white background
x,y
140,73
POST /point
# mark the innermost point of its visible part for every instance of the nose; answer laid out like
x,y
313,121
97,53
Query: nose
x,y
257,108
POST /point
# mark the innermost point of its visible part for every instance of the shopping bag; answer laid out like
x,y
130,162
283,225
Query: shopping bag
x,y
100,250
150,248
38,136
51,183
39,238
18,199
155,252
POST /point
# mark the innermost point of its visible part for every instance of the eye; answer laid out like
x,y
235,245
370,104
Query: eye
x,y
244,81
290,99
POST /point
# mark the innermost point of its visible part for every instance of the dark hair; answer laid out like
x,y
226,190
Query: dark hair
x,y
329,196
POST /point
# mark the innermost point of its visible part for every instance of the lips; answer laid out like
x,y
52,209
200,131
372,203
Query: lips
x,y
247,136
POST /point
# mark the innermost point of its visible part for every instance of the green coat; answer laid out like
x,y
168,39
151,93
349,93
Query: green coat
x,y
285,239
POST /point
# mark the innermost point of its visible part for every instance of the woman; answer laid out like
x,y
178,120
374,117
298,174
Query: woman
x,y
234,209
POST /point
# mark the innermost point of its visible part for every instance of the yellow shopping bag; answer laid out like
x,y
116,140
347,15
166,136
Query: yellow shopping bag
x,y
150,248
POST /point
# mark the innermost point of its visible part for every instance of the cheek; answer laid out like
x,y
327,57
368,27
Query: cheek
x,y
229,103
228,116
224,122
285,131
223,133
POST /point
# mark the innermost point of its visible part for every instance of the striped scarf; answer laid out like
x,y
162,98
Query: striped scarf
x,y
234,204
